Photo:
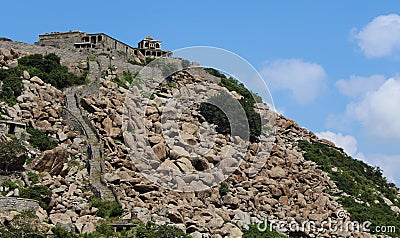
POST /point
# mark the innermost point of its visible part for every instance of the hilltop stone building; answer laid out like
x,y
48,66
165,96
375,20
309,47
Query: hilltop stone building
x,y
148,47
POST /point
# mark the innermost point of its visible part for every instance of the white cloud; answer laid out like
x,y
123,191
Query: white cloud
x,y
358,86
389,164
380,37
304,80
379,111
347,142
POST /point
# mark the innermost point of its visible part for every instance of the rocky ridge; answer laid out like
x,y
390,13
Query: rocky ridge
x,y
287,187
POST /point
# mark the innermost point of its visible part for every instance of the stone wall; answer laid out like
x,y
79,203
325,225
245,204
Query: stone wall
x,y
68,39
60,40
18,204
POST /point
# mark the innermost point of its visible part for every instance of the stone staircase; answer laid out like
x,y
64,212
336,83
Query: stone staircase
x,y
75,117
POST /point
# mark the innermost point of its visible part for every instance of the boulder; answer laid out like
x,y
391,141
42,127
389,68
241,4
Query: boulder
x,y
190,128
62,136
60,218
277,172
144,188
6,53
178,151
44,125
88,105
26,75
168,165
107,125
175,216
215,223
41,214
200,163
86,224
318,217
37,80
160,150
51,161
185,165
231,231
241,218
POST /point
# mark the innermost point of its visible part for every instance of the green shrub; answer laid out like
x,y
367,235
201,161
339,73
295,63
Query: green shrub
x,y
126,79
8,183
24,224
13,155
131,61
12,87
215,115
92,58
360,181
104,228
248,126
33,177
60,232
148,61
151,230
47,67
40,193
223,188
106,208
215,73
40,140
254,232
247,101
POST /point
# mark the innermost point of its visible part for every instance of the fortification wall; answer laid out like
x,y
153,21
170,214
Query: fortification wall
x,y
18,204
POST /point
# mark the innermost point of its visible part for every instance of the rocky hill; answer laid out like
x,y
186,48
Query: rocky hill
x,y
124,147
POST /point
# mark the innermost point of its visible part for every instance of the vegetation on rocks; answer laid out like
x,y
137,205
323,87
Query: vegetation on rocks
x,y
151,230
126,79
140,230
40,140
106,208
47,68
9,184
12,155
278,189
11,88
223,188
215,115
362,186
254,232
103,230
24,224
40,193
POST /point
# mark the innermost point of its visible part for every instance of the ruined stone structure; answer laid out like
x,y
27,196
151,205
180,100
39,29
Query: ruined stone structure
x,y
82,40
150,47
18,204
12,128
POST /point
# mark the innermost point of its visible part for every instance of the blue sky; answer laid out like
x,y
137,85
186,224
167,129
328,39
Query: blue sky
x,y
330,65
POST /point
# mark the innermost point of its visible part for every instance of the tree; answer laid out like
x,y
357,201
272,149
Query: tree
x,y
12,155
12,87
40,140
40,193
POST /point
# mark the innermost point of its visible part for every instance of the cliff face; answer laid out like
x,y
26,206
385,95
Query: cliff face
x,y
122,138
